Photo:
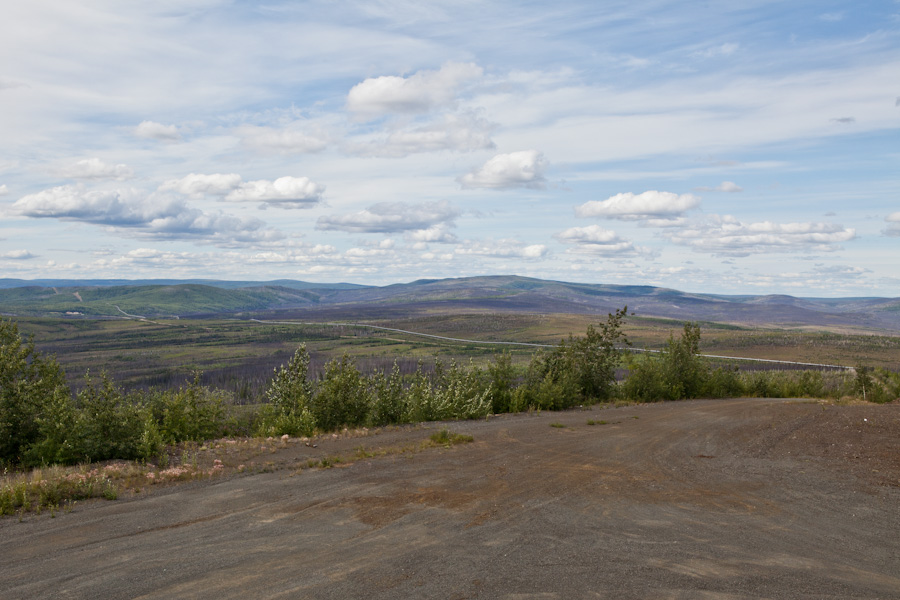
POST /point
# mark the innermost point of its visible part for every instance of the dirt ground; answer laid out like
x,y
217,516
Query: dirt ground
x,y
721,499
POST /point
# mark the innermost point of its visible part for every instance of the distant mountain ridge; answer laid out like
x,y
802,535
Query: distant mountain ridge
x,y
8,283
502,293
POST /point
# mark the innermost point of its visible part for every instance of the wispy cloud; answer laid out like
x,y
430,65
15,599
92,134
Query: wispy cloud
x,y
452,132
893,228
840,271
94,168
832,17
727,236
502,248
728,187
721,50
289,140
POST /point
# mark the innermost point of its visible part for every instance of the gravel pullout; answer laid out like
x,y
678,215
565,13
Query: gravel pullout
x,y
703,499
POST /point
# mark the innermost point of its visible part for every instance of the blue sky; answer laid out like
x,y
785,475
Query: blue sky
x,y
733,148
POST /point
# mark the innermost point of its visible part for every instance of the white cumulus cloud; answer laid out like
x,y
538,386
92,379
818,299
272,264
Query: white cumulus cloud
x,y
4,190
506,171
17,255
435,234
131,212
650,205
284,192
417,93
390,217
596,240
152,130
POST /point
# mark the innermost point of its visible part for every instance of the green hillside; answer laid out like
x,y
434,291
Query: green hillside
x,y
148,301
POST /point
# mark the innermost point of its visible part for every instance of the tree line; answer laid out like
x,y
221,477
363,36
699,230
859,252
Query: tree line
x,y
42,422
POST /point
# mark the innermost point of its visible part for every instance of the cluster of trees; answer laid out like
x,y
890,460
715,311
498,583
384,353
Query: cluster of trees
x,y
41,422
579,371
679,372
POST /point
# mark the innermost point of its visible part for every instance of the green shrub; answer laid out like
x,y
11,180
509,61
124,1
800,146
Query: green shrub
x,y
723,382
890,383
677,372
420,398
108,424
32,391
579,371
684,370
876,385
289,396
151,442
191,413
463,395
388,398
58,441
205,411
645,380
501,382
760,384
342,396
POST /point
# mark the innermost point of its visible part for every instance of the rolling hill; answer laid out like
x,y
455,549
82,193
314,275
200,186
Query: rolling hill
x,y
485,294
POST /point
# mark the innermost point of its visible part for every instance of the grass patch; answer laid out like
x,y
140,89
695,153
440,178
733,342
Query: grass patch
x,y
558,425
445,437
593,422
54,488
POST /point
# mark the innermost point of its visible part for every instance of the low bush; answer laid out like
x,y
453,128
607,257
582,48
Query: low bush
x,y
108,424
677,372
288,397
342,396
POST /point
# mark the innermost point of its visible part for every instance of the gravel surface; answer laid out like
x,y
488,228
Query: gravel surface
x,y
703,499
